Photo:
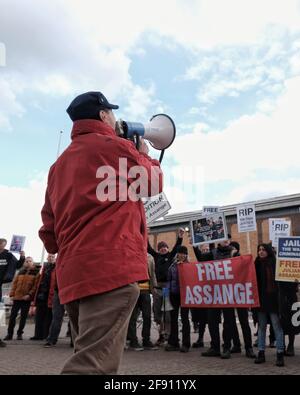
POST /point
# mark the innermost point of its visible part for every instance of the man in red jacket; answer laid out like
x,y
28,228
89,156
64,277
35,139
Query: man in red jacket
x,y
98,231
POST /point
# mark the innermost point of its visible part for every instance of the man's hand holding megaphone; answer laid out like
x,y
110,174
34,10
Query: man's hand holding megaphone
x,y
160,131
143,147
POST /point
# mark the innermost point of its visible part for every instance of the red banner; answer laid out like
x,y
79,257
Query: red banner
x,y
219,284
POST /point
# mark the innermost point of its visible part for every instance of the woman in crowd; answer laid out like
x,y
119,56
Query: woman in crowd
x,y
268,289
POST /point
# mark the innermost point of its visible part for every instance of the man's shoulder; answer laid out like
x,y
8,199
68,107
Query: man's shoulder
x,y
6,254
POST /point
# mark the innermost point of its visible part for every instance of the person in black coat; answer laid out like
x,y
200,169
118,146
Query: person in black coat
x,y
268,289
163,259
243,319
8,266
222,251
200,316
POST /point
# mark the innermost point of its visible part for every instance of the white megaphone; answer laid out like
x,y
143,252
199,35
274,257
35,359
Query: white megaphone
x,y
160,131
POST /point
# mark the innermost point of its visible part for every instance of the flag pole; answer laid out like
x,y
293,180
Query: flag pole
x,y
57,156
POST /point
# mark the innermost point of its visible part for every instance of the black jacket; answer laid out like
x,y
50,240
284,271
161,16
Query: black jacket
x,y
268,301
8,266
163,262
287,297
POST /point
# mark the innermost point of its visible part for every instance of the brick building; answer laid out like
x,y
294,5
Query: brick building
x,y
287,207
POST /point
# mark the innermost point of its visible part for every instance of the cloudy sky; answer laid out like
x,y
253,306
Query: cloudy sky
x,y
226,71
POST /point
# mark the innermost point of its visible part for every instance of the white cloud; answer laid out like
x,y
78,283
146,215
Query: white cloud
x,y
66,46
265,106
63,47
248,145
258,190
180,201
9,105
20,213
295,63
2,55
230,71
194,111
139,100
203,23
54,58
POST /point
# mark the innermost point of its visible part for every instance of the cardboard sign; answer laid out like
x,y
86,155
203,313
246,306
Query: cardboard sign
x,y
207,210
208,229
219,284
156,207
17,243
278,227
246,218
288,259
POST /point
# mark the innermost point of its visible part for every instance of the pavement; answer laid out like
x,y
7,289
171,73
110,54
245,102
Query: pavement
x,y
31,358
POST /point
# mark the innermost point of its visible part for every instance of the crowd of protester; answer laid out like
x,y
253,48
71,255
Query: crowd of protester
x,y
34,290
276,301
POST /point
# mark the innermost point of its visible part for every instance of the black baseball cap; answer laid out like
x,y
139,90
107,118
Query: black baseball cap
x,y
88,105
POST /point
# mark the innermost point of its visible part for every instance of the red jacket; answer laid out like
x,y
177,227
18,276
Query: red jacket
x,y
101,245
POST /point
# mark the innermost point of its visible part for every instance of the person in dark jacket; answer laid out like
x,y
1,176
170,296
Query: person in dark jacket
x,y
243,319
143,305
200,316
22,293
58,312
174,292
265,265
287,297
222,251
43,299
8,265
163,258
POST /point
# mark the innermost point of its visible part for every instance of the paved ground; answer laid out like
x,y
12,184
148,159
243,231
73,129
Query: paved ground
x,y
27,357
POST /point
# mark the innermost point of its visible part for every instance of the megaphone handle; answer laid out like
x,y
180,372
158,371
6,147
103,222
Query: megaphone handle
x,y
137,141
161,156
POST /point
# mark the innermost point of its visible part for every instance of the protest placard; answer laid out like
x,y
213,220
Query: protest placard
x,y
156,207
209,229
288,259
246,218
207,210
278,227
219,284
17,243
